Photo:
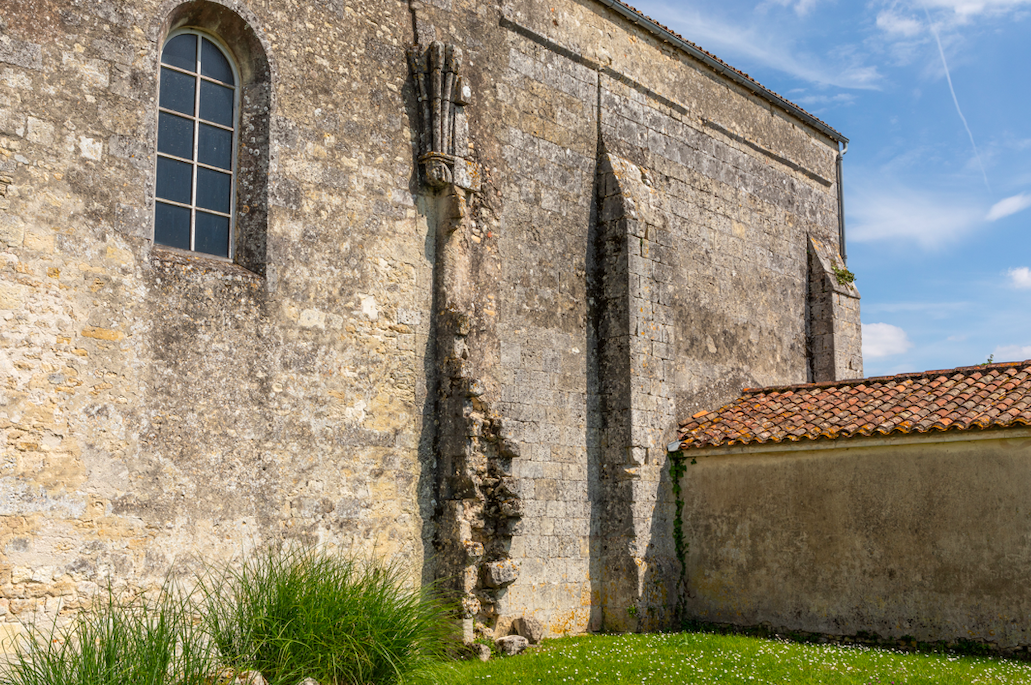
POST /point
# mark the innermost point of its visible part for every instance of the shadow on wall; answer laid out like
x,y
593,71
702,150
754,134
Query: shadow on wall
x,y
595,404
428,485
632,568
659,604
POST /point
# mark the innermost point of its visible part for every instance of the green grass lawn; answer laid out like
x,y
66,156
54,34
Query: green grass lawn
x,y
705,658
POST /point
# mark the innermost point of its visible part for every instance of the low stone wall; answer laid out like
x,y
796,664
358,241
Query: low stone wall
x,y
924,538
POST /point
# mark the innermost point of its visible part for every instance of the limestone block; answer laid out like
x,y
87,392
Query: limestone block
x,y
470,606
90,148
473,550
10,296
38,241
20,53
530,628
511,644
41,132
500,573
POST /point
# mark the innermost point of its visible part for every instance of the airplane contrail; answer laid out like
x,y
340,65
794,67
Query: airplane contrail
x,y
948,77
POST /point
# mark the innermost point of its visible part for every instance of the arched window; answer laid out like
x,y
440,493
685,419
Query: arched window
x,y
198,107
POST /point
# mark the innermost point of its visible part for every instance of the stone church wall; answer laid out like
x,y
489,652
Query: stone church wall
x,y
159,407
634,248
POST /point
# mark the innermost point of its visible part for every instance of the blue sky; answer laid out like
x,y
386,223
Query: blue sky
x,y
937,178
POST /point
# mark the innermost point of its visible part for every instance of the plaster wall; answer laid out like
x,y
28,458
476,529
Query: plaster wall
x,y
922,539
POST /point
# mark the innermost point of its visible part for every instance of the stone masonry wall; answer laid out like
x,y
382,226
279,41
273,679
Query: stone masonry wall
x,y
634,248
157,407
718,278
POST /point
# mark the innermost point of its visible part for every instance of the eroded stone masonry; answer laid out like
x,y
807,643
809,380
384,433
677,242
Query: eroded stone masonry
x,y
484,257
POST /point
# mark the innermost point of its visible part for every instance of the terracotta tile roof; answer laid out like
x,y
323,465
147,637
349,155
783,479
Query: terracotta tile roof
x,y
761,88
968,398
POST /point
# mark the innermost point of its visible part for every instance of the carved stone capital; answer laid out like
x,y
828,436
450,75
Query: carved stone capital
x,y
438,169
442,96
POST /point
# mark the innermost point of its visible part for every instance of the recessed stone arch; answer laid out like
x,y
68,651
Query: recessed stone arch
x,y
234,26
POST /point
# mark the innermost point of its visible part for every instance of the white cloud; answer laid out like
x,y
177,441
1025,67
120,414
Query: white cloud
x,y
1020,277
839,99
884,340
1011,205
887,211
966,8
801,7
736,42
1010,353
898,25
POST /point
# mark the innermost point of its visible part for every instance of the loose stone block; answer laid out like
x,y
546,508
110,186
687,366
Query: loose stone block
x,y
530,628
511,644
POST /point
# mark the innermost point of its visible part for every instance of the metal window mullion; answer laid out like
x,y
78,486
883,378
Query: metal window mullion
x,y
196,147
172,67
173,202
213,124
215,81
232,161
173,157
219,169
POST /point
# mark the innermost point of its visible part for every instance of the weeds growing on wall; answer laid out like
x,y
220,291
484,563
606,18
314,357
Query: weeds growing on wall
x,y
307,615
842,275
137,641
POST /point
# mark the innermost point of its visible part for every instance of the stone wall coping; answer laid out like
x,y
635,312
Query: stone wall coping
x,y
756,449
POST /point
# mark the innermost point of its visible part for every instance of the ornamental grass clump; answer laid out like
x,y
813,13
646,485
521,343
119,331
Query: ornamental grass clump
x,y
306,614
137,641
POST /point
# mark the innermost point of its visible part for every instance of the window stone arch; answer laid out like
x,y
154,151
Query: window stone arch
x,y
238,38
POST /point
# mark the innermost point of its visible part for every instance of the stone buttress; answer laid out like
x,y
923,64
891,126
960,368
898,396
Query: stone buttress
x,y
835,339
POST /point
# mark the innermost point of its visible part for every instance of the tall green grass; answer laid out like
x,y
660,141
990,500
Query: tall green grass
x,y
116,642
288,616
304,614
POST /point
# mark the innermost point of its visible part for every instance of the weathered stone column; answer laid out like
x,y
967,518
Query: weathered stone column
x,y
477,509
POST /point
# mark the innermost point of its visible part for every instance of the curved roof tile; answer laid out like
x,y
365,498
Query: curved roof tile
x,y
968,398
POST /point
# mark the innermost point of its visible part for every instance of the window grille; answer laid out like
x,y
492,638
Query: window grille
x,y
197,122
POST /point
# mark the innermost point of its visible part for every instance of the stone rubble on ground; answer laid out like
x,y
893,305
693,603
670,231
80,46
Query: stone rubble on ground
x,y
530,628
511,645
